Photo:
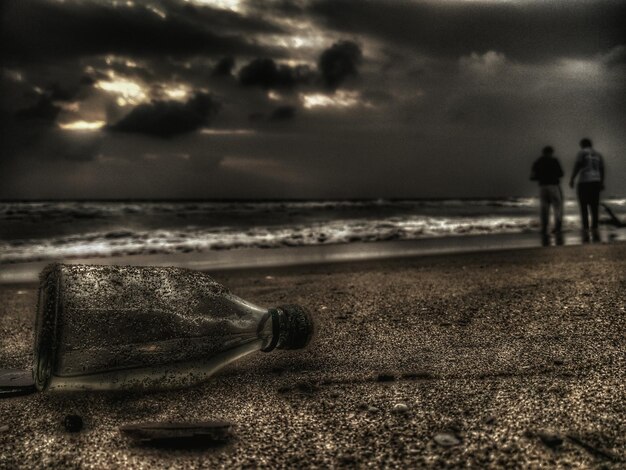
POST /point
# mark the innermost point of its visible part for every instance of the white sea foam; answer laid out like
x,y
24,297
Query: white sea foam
x,y
56,230
127,241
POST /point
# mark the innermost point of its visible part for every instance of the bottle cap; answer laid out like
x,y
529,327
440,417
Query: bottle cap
x,y
296,327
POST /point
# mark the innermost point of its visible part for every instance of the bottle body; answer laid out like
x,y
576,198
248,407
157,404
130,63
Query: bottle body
x,y
143,328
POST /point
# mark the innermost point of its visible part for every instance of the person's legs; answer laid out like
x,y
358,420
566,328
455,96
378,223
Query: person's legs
x,y
582,201
544,198
594,202
557,207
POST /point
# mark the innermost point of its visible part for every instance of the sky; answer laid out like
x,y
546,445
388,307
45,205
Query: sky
x,y
331,99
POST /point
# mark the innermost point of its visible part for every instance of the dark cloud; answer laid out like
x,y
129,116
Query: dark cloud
x,y
535,31
224,68
44,110
265,73
283,113
335,65
86,80
59,93
339,62
47,108
168,118
42,30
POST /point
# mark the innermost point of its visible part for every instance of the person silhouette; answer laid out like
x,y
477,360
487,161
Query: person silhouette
x,y
589,167
547,171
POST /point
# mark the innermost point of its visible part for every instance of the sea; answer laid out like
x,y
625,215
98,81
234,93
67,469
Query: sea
x,y
64,230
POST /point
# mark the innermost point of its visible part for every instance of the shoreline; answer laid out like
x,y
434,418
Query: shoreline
x,y
250,258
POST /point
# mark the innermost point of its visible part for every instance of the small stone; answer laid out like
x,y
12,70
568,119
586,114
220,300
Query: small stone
x,y
73,423
372,409
490,420
445,439
400,408
550,439
4,428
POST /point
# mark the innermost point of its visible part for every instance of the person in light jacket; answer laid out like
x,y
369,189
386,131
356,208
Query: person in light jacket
x,y
589,168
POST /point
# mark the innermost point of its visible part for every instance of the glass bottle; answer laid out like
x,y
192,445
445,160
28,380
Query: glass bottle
x,y
148,328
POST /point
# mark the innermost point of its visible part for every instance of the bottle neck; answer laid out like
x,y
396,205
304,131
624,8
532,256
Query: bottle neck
x,y
272,316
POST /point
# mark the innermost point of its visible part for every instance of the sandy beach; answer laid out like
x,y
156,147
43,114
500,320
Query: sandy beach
x,y
516,357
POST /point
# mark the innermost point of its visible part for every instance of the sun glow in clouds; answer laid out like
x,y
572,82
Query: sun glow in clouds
x,y
131,92
232,5
304,34
312,40
341,99
82,125
176,92
128,91
157,12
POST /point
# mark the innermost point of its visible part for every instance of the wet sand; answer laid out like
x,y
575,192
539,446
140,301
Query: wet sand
x,y
516,358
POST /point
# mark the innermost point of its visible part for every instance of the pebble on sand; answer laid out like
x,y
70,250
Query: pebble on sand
x,y
73,423
445,439
400,408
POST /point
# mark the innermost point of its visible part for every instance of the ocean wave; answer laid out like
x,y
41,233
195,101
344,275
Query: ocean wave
x,y
91,210
126,241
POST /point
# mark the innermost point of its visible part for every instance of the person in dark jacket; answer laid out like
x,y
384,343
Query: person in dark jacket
x,y
547,172
589,167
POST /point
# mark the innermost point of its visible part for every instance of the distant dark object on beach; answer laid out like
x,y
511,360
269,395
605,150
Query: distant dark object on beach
x,y
179,434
